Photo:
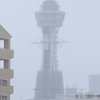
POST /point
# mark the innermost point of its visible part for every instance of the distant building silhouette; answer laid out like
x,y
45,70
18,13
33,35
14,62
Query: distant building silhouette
x,y
94,83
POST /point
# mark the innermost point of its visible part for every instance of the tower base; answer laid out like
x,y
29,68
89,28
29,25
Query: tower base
x,y
55,85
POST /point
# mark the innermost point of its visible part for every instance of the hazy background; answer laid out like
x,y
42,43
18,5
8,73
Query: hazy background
x,y
76,59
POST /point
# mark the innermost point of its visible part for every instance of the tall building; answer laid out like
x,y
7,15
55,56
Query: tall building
x,y
6,73
49,80
94,83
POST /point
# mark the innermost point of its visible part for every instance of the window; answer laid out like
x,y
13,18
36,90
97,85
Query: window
x,y
4,82
1,64
98,96
4,97
1,43
0,81
76,96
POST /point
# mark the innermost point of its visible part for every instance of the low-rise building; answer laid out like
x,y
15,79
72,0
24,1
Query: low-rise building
x,y
79,96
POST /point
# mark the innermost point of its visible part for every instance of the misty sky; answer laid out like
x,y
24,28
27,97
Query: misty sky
x,y
76,59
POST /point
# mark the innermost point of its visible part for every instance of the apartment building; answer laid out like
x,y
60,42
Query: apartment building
x,y
6,73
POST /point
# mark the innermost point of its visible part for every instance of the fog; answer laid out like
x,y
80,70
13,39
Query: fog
x,y
76,59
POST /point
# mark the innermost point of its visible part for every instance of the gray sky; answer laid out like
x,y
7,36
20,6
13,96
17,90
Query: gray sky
x,y
76,59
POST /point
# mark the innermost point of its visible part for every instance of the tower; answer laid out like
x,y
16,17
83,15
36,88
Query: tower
x,y
6,73
49,80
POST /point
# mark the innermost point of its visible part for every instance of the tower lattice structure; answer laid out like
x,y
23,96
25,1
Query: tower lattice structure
x,y
49,80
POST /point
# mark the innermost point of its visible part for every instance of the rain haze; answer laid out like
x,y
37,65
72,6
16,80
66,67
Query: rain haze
x,y
76,59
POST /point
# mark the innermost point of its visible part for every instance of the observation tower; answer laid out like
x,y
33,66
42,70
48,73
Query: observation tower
x,y
49,81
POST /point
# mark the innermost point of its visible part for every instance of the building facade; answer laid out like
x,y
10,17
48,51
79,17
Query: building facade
x,y
6,73
94,83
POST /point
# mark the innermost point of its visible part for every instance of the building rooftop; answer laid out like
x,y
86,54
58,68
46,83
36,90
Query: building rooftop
x,y
79,96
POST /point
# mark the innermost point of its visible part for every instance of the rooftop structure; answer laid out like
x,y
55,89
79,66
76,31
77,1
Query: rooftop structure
x,y
6,73
71,91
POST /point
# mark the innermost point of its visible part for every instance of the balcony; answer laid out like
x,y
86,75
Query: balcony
x,y
6,73
6,54
6,89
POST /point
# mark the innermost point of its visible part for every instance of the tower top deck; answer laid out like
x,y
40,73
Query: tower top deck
x,y
50,15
